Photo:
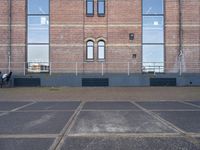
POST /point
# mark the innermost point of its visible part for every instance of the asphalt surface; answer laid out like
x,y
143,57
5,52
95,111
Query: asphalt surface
x,y
100,125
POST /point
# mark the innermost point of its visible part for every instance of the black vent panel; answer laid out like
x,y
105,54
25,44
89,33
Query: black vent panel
x,y
95,82
163,82
27,82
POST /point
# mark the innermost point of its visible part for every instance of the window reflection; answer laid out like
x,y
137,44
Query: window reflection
x,y
90,50
38,36
101,7
153,53
153,58
153,36
90,7
38,29
153,31
152,6
38,6
38,58
101,50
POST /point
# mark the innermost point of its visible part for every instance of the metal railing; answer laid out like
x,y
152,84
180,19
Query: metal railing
x,y
101,67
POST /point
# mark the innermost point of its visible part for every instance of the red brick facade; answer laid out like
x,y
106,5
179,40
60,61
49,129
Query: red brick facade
x,y
70,28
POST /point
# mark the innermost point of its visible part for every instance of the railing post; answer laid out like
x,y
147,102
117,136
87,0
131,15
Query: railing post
x,y
180,67
128,69
50,69
154,68
24,68
76,69
9,64
102,69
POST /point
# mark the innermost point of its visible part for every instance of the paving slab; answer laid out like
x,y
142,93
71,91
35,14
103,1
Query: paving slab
x,y
198,139
118,122
7,106
71,105
25,144
188,121
166,105
34,122
128,143
110,106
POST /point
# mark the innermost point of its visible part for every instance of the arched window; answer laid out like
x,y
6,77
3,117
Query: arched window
x,y
90,50
101,50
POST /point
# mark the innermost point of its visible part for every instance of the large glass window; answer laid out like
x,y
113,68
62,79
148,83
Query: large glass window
x,y
152,6
90,7
153,29
38,29
38,6
90,50
38,53
153,58
38,35
101,50
101,7
153,36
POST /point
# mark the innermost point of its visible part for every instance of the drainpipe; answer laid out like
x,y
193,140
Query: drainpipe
x,y
10,34
180,55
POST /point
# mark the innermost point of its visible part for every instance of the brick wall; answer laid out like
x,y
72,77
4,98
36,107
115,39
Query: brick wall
x,y
70,28
190,34
3,34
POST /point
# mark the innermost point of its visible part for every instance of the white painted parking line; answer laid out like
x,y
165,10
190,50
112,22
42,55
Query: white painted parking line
x,y
3,136
18,108
15,109
170,125
191,104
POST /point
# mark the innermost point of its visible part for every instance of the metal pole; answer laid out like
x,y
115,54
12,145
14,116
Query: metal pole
x,y
102,69
24,68
50,69
76,69
128,69
180,67
9,62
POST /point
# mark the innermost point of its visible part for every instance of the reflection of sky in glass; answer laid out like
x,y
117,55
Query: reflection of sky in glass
x,y
153,57
38,29
153,53
90,50
101,6
38,6
152,6
153,31
90,7
38,33
101,53
101,50
90,53
38,53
